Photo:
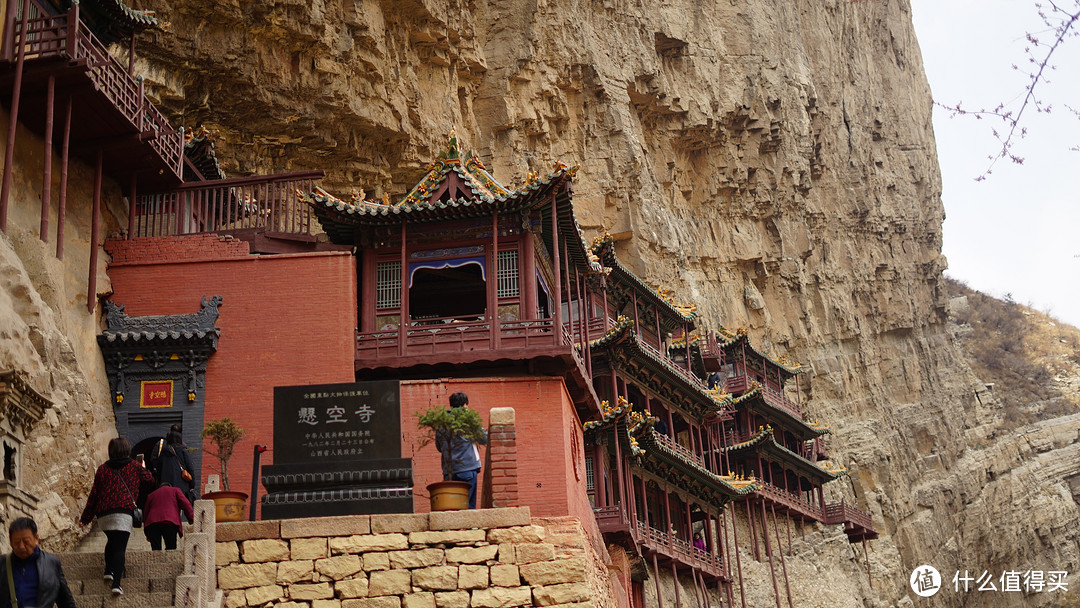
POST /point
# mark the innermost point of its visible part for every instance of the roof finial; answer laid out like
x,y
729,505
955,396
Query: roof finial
x,y
452,150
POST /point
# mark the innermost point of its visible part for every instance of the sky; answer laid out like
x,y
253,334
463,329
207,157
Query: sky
x,y
1018,231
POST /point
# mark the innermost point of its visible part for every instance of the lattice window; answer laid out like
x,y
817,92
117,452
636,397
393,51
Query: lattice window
x,y
590,479
508,274
388,285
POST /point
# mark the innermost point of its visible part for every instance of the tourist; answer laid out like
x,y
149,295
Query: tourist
x,y
699,543
464,455
172,465
112,501
37,577
162,520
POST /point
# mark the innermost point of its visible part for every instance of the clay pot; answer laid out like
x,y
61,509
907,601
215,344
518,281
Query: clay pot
x,y
449,495
229,505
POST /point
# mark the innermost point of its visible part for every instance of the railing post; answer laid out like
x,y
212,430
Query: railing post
x,y
72,45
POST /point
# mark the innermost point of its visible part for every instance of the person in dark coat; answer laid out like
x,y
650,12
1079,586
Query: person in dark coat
x,y
170,462
117,484
464,455
163,508
38,576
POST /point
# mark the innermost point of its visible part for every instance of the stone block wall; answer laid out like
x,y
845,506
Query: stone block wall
x,y
488,558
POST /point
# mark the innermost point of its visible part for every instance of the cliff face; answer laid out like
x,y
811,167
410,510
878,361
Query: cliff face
x,y
771,161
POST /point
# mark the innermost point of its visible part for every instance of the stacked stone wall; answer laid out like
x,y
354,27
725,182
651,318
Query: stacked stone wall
x,y
489,558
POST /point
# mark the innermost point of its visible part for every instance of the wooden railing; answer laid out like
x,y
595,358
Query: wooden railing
x,y
666,543
740,382
435,337
842,513
51,36
679,449
789,500
268,202
611,519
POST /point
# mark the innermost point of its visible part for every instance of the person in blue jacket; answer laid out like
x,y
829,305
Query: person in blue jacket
x,y
37,577
464,455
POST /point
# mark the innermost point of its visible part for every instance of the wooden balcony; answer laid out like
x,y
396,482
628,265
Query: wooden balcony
x,y
858,525
679,449
264,210
790,503
739,383
612,520
437,344
679,550
109,112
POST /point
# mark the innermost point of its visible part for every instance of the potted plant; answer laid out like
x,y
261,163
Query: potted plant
x,y
223,435
440,425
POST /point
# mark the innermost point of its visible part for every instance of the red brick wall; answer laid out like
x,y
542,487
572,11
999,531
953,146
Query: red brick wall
x,y
285,320
548,440
176,248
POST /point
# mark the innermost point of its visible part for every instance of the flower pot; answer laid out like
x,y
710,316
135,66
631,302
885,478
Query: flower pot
x,y
228,505
449,495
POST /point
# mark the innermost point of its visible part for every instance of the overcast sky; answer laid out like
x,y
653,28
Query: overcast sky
x,y
1017,232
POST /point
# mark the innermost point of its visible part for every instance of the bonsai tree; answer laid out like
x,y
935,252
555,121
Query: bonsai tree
x,y
441,425
224,435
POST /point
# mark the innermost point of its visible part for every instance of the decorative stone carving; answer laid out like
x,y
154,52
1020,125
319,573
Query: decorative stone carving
x,y
21,407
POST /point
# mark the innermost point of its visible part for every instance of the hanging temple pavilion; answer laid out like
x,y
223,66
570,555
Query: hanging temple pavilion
x,y
632,414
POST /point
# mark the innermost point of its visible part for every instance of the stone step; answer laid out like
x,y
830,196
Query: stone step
x,y
134,558
130,584
128,600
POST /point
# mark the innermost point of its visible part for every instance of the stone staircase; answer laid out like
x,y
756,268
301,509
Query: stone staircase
x,y
183,578
150,581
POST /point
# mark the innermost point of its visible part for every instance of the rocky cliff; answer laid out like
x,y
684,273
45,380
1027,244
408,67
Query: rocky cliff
x,y
772,161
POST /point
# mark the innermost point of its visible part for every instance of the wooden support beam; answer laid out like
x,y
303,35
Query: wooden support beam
x,y
95,227
403,325
675,576
783,562
13,117
493,284
46,182
768,552
656,577
738,558
61,212
556,331
132,198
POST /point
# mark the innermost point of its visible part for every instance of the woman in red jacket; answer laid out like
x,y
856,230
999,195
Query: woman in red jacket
x,y
117,484
163,508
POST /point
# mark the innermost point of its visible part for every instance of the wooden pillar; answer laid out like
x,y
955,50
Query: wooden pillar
x,y
753,530
493,284
637,324
132,195
367,304
569,294
783,562
528,276
95,227
131,54
866,552
738,558
556,262
46,184
13,117
403,325
645,503
659,336
768,552
656,577
667,516
675,576
61,212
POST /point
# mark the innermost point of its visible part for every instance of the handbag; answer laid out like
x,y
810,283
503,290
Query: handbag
x,y
184,474
136,515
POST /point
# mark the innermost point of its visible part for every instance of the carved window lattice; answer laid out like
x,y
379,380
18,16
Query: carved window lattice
x,y
388,285
590,479
507,275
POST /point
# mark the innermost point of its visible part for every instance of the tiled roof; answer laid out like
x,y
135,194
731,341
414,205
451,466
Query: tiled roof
x,y
623,335
755,396
652,446
673,313
199,150
765,440
112,20
472,172
728,340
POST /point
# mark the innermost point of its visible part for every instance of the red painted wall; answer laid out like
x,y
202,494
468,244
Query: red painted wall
x,y
285,320
551,462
